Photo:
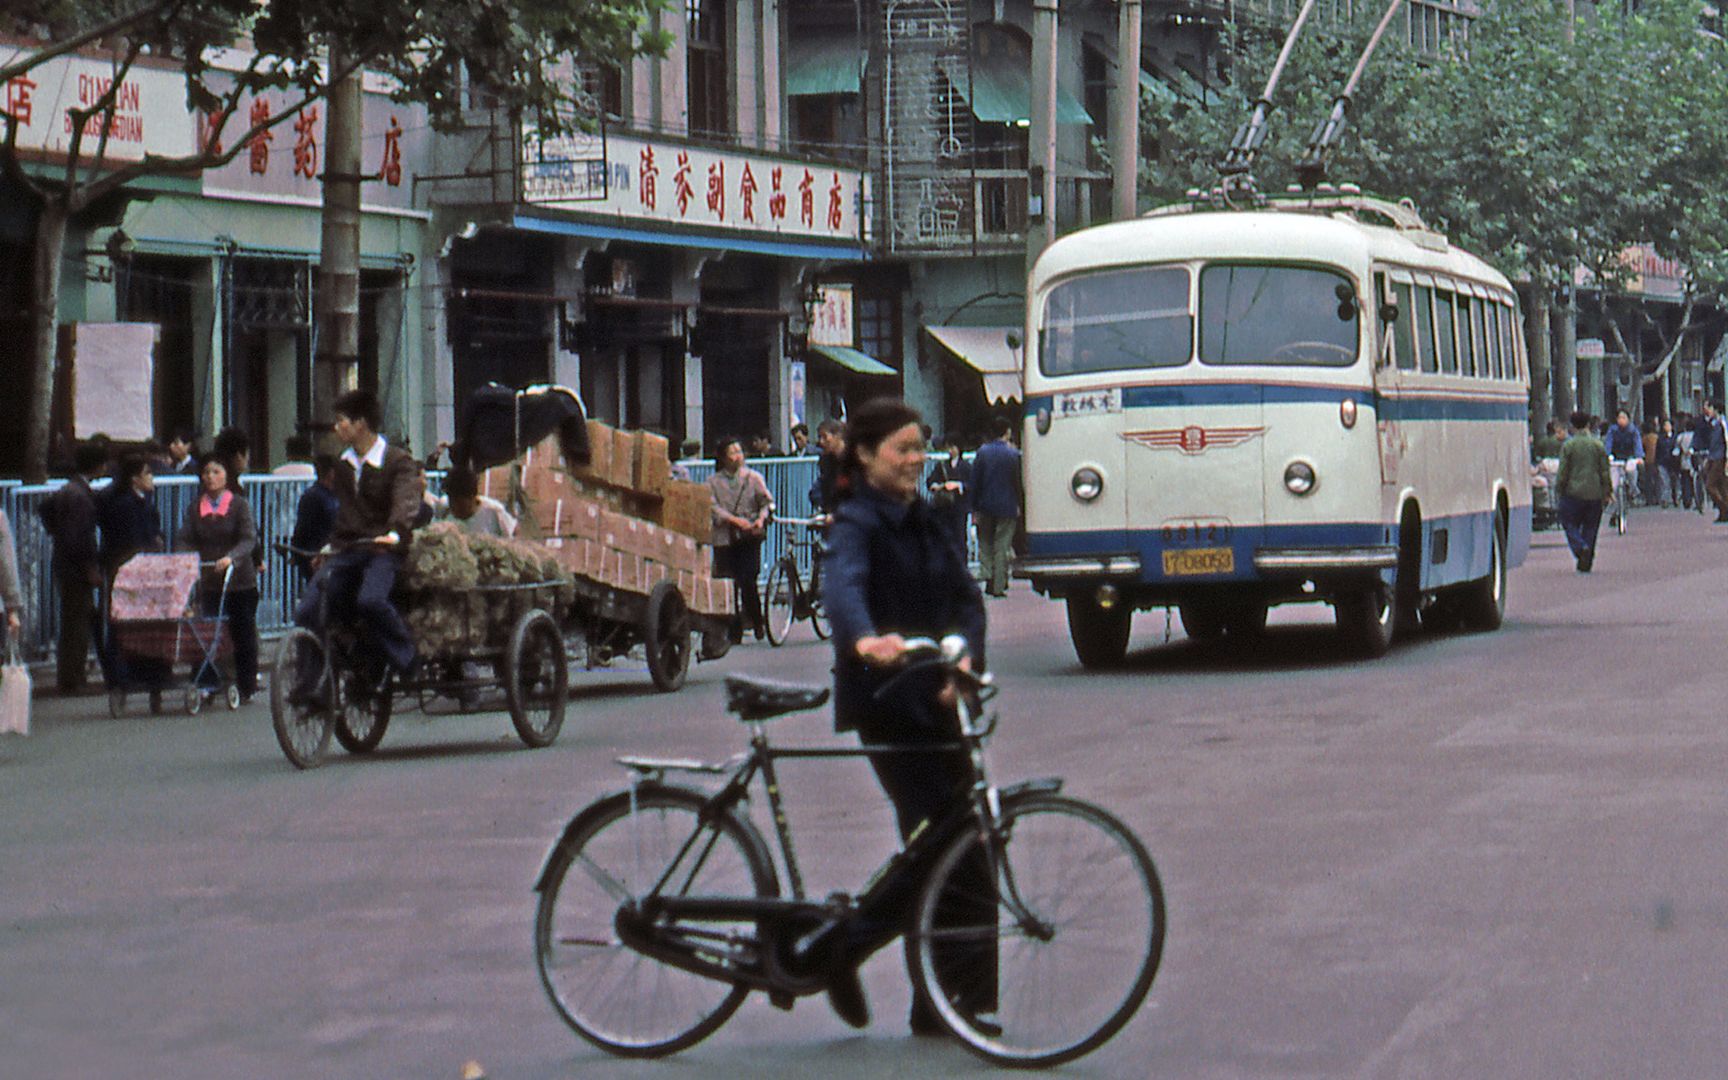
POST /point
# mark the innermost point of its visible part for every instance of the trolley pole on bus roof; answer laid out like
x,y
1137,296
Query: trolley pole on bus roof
x,y
1238,161
1125,118
1311,170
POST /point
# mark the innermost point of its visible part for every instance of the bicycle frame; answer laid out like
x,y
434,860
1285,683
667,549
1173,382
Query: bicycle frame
x,y
795,929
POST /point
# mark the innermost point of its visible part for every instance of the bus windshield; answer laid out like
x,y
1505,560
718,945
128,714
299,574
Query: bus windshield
x,y
1118,320
1285,315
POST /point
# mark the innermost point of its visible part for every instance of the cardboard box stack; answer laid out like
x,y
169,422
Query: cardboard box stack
x,y
621,520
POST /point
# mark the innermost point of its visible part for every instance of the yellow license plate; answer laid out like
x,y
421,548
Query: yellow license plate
x,y
1196,561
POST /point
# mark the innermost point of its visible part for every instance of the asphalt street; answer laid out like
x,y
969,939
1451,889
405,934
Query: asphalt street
x,y
1486,855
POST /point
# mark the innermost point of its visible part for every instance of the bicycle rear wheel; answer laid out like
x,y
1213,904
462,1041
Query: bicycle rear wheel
x,y
779,602
618,999
1048,958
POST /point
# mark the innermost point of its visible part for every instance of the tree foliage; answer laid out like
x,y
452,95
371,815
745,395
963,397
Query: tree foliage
x,y
1539,149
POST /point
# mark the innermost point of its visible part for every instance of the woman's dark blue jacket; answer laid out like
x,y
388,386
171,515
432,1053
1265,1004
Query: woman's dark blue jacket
x,y
890,568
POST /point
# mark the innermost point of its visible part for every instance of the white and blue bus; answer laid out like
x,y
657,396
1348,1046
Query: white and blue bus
x,y
1318,399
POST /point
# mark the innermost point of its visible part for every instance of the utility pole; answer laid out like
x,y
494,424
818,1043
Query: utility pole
x,y
1125,116
1041,136
335,367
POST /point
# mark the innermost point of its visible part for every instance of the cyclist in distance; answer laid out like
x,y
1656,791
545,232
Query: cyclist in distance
x,y
892,573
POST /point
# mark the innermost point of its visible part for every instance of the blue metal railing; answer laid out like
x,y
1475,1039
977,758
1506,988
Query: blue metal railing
x,y
275,501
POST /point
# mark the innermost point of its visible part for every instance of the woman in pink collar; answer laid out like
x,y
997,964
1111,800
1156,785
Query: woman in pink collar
x,y
219,527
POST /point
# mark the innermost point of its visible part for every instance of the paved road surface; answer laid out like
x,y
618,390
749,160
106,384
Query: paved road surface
x,y
1484,856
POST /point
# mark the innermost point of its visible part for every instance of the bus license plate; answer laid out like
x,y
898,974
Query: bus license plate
x,y
1198,561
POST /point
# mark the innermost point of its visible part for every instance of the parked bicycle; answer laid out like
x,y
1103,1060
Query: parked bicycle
x,y
1035,936
788,599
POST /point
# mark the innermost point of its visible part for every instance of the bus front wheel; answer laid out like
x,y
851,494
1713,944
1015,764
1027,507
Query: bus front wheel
x,y
1100,634
1365,620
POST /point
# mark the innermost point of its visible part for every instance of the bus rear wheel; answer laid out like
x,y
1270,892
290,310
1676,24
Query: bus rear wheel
x,y
1483,605
1366,619
1100,635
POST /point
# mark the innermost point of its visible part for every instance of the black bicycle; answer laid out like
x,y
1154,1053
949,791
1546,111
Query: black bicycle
x,y
788,598
1035,935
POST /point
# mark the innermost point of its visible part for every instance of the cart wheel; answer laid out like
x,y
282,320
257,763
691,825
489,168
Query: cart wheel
x,y
536,678
194,701
666,637
302,722
233,697
360,723
116,703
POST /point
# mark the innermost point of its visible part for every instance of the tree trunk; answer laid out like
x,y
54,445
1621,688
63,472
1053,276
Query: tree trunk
x,y
1541,366
338,327
46,256
1565,328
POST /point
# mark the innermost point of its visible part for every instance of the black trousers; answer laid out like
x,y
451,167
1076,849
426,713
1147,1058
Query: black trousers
x,y
241,609
925,787
741,563
81,622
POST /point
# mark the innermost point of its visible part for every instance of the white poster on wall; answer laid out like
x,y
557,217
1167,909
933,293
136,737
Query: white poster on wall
x,y
113,372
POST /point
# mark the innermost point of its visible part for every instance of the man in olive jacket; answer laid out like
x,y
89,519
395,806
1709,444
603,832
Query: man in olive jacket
x,y
1584,482
378,495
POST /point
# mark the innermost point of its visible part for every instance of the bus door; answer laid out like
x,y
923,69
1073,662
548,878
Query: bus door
x,y
1195,455
1395,361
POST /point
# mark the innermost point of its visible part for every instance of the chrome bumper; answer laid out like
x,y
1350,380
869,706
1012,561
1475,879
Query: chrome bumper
x,y
1306,560
1081,566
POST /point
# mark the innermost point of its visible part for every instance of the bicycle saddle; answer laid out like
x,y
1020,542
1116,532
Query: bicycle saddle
x,y
763,699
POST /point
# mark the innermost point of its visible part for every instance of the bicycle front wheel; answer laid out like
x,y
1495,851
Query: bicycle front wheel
x,y
615,997
778,603
1039,952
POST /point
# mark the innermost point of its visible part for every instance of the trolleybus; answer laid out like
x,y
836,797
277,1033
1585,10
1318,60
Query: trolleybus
x,y
1316,399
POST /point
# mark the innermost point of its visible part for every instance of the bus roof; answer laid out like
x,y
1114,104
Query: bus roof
x,y
1330,235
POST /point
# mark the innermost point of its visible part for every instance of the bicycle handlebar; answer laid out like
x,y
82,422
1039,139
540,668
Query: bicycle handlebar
x,y
808,523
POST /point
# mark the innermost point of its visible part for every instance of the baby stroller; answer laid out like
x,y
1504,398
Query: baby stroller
x,y
155,625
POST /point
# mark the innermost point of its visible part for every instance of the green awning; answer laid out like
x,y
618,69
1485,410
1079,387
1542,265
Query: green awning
x,y
853,360
1000,90
823,64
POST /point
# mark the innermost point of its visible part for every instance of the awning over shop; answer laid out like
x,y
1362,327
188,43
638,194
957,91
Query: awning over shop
x,y
823,64
985,350
853,360
1000,89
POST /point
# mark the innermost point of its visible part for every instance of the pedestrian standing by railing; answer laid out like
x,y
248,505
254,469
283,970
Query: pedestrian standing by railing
x,y
996,505
220,528
1585,480
130,524
69,515
1715,453
10,594
742,506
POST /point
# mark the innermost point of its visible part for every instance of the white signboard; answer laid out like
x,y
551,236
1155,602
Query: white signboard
x,y
113,370
1591,349
640,180
831,322
150,114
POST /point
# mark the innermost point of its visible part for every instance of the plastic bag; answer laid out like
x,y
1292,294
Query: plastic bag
x,y
14,694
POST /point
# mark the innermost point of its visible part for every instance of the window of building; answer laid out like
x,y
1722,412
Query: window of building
x,y
603,90
879,328
710,111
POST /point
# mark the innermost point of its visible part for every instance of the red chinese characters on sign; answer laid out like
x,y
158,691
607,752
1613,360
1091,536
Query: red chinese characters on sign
x,y
834,205
681,188
717,189
647,178
807,199
258,150
210,131
390,169
777,201
747,192
20,99
306,144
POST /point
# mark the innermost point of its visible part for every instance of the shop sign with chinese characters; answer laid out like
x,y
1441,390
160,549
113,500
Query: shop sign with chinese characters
x,y
650,181
831,318
286,163
150,115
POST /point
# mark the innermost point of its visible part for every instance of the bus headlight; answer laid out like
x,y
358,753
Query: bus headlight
x,y
1087,484
1299,477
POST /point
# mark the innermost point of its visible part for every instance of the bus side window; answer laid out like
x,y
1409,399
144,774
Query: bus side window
x,y
1467,318
1444,331
1509,343
1404,330
1425,327
1491,312
1478,340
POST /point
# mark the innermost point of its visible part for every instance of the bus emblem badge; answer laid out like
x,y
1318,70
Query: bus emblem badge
x,y
1193,439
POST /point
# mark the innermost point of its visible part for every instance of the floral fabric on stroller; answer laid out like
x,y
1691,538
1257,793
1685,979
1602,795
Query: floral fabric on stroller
x,y
156,626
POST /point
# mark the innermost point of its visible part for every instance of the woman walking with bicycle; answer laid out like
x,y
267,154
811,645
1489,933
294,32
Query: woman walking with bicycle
x,y
891,573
